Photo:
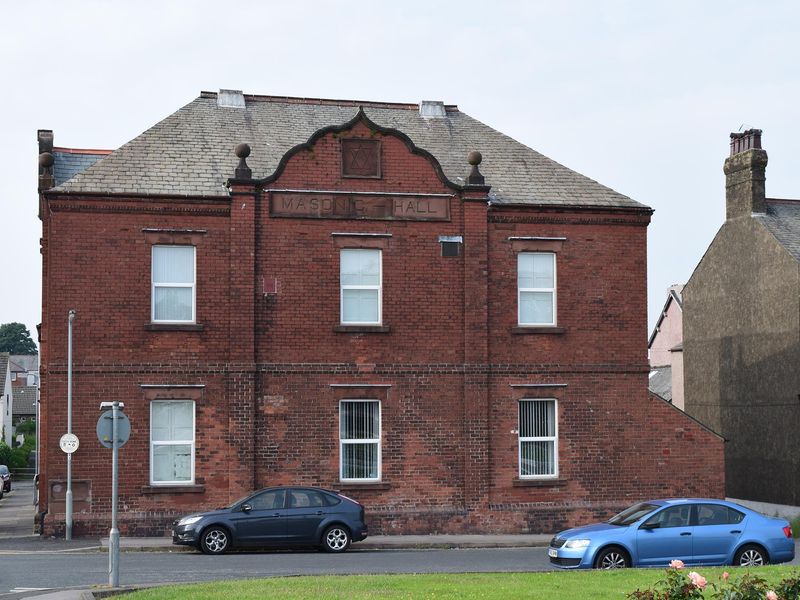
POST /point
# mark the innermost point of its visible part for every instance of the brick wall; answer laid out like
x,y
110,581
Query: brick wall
x,y
446,365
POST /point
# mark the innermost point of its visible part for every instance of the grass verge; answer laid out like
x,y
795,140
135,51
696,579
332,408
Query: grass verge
x,y
556,585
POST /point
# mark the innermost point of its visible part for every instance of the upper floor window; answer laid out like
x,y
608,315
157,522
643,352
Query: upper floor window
x,y
536,288
172,442
360,281
173,284
360,440
538,438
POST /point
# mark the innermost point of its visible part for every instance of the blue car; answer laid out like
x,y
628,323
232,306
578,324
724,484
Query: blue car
x,y
697,531
278,516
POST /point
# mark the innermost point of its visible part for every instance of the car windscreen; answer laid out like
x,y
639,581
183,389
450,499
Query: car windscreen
x,y
632,514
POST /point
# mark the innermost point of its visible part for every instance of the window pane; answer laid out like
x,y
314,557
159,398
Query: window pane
x,y
359,461
359,421
173,304
537,418
360,267
172,421
543,270
268,500
172,463
359,306
537,458
536,307
525,270
173,264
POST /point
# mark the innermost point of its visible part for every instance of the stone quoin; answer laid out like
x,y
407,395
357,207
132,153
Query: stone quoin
x,y
395,302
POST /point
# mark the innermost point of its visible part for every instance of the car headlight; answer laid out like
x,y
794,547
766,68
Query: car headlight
x,y
189,520
580,543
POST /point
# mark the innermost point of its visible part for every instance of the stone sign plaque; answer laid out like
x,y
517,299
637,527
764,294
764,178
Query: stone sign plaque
x,y
359,206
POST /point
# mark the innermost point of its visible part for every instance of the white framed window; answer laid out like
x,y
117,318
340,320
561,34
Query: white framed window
x,y
172,442
173,284
536,288
360,279
359,440
538,438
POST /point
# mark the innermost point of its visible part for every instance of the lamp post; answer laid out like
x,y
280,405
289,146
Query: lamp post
x,y
69,424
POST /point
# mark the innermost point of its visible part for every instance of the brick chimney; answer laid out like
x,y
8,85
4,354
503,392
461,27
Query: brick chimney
x,y
744,175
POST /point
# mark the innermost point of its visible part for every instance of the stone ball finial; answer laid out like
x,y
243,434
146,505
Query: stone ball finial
x,y
46,160
474,158
242,150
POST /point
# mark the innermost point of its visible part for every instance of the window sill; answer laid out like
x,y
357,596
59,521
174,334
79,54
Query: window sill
x,y
365,486
539,483
173,327
173,489
523,330
362,329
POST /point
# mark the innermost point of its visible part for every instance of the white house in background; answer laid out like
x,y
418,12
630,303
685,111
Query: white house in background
x,y
665,349
6,399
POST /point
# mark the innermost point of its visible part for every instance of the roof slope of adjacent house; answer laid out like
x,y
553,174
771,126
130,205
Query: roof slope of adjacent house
x,y
3,371
68,162
24,401
782,220
190,153
660,382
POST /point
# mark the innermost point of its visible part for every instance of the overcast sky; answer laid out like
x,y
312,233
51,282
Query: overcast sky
x,y
638,97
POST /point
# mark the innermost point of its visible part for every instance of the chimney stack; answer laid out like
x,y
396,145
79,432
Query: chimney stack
x,y
745,175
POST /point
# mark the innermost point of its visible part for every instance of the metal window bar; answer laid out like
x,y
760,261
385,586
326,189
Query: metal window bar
x,y
538,438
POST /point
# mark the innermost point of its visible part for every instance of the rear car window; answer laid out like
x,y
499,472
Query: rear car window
x,y
331,500
717,514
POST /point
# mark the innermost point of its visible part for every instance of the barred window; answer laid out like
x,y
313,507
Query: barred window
x,y
538,438
360,440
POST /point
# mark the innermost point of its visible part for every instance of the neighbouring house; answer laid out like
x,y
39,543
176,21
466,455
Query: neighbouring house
x,y
24,404
391,300
6,399
24,370
665,350
741,332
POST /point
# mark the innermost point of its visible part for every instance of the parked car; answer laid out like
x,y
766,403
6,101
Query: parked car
x,y
697,531
5,477
277,516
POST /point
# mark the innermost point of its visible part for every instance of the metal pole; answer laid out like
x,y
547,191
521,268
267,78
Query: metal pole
x,y
69,423
113,538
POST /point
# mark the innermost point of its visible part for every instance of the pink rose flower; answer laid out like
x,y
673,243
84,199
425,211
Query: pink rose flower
x,y
676,564
725,576
697,580
772,595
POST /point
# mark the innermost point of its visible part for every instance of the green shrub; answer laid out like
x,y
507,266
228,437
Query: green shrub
x,y
27,428
5,453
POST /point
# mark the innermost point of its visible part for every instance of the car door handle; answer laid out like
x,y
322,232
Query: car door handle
x,y
736,531
276,514
319,512
686,533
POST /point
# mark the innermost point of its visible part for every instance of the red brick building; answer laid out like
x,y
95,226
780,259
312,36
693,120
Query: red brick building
x,y
346,302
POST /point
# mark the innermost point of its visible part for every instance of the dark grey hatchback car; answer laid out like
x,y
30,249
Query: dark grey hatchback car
x,y
278,516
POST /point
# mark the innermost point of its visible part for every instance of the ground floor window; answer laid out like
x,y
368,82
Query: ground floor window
x,y
172,442
538,438
360,440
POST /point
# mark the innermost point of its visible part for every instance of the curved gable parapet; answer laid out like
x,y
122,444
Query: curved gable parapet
x,y
360,117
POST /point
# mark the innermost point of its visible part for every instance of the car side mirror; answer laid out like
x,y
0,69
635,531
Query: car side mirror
x,y
246,508
654,525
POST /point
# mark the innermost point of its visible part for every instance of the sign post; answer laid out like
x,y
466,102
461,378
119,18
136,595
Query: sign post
x,y
68,508
113,430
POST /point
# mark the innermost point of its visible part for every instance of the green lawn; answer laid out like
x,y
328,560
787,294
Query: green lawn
x,y
567,585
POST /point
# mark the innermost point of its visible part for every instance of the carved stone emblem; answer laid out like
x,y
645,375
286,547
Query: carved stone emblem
x,y
361,158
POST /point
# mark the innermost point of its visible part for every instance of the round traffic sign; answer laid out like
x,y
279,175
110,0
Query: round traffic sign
x,y
105,427
69,443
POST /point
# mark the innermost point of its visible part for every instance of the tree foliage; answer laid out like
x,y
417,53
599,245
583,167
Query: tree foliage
x,y
16,339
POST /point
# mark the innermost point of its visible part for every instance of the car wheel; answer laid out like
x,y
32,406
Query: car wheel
x,y
215,540
336,539
612,558
750,556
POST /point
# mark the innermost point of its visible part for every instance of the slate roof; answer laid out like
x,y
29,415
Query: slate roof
x,y
27,362
3,371
69,163
191,151
660,382
783,221
24,401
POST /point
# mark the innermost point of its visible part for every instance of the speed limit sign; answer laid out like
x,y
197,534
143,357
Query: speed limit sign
x,y
69,443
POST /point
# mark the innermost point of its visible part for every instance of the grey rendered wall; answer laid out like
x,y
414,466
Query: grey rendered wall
x,y
742,359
